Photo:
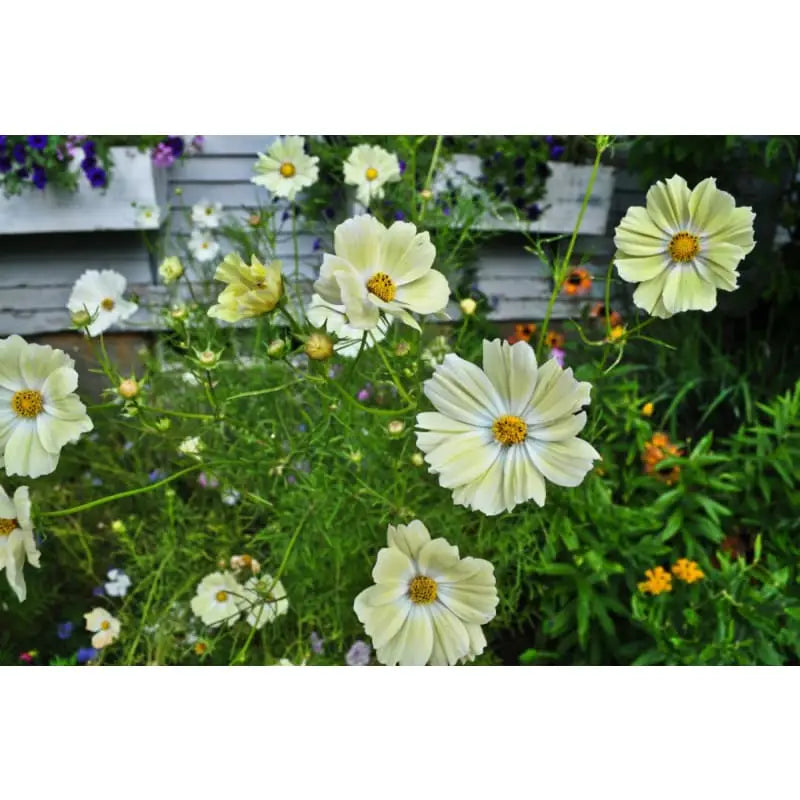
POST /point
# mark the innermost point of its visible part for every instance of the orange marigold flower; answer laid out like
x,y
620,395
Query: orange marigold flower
x,y
523,331
658,580
688,571
554,339
599,311
579,281
655,451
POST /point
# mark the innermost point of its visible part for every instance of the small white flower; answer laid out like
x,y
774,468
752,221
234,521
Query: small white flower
x,y
171,269
39,410
498,432
101,294
286,168
369,167
217,599
332,317
191,446
285,662
428,604
148,216
230,497
263,599
118,583
377,269
203,246
206,215
17,543
103,625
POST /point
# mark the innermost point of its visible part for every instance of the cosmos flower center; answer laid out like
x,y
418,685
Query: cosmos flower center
x,y
105,625
381,285
27,403
509,429
288,169
107,303
683,247
371,173
7,526
221,596
422,590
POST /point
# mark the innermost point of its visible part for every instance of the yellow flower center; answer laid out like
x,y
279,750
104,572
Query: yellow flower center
x,y
684,247
107,303
381,285
27,403
7,526
221,596
422,590
371,173
509,429
105,625
287,169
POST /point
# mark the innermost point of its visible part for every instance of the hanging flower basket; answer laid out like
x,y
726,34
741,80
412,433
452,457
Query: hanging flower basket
x,y
136,186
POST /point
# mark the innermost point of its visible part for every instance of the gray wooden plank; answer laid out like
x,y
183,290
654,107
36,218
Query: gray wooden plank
x,y
236,145
200,169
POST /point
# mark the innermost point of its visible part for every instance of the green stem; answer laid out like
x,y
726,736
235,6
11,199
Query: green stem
x,y
391,372
186,414
103,500
258,392
559,271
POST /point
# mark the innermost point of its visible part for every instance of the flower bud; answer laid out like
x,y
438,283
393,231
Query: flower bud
x,y
179,312
208,358
402,349
319,346
396,426
162,424
171,269
417,459
128,388
276,348
118,526
468,306
81,318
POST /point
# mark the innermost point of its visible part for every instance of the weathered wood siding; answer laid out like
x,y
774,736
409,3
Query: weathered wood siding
x,y
37,271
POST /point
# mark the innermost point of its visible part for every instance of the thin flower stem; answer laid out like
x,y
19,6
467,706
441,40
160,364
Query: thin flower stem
x,y
103,500
186,414
404,394
258,392
384,412
561,267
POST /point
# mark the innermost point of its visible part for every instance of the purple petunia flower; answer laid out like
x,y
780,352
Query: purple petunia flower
x,y
5,164
90,162
96,177
98,591
162,155
399,215
64,630
316,245
556,151
402,165
317,643
175,143
358,655
39,177
156,475
37,142
196,145
85,654
89,149
3,140
22,173
19,153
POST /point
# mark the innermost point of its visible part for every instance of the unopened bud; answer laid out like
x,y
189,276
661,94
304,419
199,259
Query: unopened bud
x,y
468,306
128,388
81,319
118,526
319,346
417,459
276,348
396,426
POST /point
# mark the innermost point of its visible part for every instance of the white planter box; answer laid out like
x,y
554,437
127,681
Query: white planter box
x,y
562,201
134,180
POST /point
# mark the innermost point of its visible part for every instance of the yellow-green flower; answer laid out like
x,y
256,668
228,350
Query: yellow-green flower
x,y
683,246
252,290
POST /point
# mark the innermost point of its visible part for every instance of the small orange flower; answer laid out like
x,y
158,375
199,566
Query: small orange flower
x,y
688,571
579,281
648,409
655,451
616,333
658,581
554,339
599,311
254,220
200,648
522,332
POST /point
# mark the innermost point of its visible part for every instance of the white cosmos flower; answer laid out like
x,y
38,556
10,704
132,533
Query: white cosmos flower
x,y
103,625
332,317
101,294
263,599
286,169
428,604
206,215
683,246
203,246
118,583
369,167
148,216
191,446
217,599
498,432
17,543
381,269
39,411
